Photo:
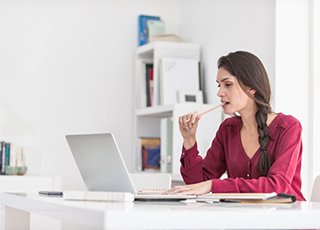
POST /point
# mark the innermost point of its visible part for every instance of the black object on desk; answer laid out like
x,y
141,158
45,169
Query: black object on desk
x,y
51,193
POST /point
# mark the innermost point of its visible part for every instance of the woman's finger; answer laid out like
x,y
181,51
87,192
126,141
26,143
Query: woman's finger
x,y
178,189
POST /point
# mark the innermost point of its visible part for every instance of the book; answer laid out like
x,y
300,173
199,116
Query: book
x,y
143,28
166,37
149,84
150,154
98,196
247,198
236,196
7,153
166,133
2,155
155,28
274,200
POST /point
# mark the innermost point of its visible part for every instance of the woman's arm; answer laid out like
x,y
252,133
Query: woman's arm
x,y
196,169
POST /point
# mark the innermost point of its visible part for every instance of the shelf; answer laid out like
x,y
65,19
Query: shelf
x,y
159,111
166,110
146,51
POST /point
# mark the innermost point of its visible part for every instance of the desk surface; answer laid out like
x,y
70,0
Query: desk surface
x,y
168,215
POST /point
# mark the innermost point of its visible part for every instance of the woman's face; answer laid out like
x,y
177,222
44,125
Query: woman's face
x,y
232,96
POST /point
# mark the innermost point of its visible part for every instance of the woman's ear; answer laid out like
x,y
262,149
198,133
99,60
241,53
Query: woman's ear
x,y
252,91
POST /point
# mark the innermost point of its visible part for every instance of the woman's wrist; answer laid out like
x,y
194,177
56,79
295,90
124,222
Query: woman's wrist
x,y
189,143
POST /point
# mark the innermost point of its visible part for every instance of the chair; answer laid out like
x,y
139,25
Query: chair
x,y
315,195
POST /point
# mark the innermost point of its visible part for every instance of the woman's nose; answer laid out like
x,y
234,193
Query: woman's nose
x,y
220,92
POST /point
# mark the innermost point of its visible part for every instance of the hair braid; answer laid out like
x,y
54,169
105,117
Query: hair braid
x,y
264,160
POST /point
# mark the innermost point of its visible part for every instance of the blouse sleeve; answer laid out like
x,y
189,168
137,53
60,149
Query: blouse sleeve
x,y
282,172
195,169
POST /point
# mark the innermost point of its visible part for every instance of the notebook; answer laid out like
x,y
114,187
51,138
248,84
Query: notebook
x,y
103,169
247,198
235,196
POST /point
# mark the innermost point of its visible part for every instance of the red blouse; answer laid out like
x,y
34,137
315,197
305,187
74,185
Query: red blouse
x,y
226,154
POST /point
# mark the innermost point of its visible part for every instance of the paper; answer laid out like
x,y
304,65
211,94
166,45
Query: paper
x,y
177,74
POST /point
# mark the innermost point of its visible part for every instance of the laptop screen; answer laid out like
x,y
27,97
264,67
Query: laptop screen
x,y
100,162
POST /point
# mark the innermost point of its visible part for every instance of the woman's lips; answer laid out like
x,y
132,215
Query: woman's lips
x,y
225,104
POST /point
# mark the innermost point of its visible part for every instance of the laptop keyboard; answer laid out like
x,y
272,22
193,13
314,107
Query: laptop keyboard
x,y
151,191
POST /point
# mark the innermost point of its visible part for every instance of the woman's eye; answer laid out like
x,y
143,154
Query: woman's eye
x,y
227,85
219,86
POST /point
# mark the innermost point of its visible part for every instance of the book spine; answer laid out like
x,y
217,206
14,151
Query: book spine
x,y
164,144
13,155
7,154
1,164
143,28
149,85
3,157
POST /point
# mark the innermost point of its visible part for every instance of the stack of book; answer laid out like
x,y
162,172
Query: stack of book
x,y
150,154
143,33
152,28
11,160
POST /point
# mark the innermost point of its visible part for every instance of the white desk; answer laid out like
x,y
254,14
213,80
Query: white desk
x,y
28,184
156,215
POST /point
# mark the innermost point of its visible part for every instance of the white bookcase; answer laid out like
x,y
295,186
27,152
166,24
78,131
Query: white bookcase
x,y
162,120
153,53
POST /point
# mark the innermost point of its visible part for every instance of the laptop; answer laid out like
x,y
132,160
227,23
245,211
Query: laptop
x,y
103,169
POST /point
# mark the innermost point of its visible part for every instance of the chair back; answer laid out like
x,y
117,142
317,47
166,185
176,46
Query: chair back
x,y
315,195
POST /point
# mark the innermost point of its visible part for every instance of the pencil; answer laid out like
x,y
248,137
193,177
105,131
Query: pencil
x,y
205,112
209,110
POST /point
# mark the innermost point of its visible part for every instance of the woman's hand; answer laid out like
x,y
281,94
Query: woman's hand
x,y
188,124
192,189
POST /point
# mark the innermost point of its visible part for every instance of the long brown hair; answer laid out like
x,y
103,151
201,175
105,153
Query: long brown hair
x,y
250,72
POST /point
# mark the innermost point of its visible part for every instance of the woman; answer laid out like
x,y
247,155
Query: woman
x,y
260,150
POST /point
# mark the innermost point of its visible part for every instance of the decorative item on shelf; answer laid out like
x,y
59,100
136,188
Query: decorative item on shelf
x,y
11,170
152,28
177,74
192,96
155,28
15,170
20,162
143,27
12,160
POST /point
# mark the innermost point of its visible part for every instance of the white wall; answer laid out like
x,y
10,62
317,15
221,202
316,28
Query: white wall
x,y
227,26
293,76
315,99
67,67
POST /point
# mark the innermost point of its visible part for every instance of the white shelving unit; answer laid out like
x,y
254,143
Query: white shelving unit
x,y
151,121
153,53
